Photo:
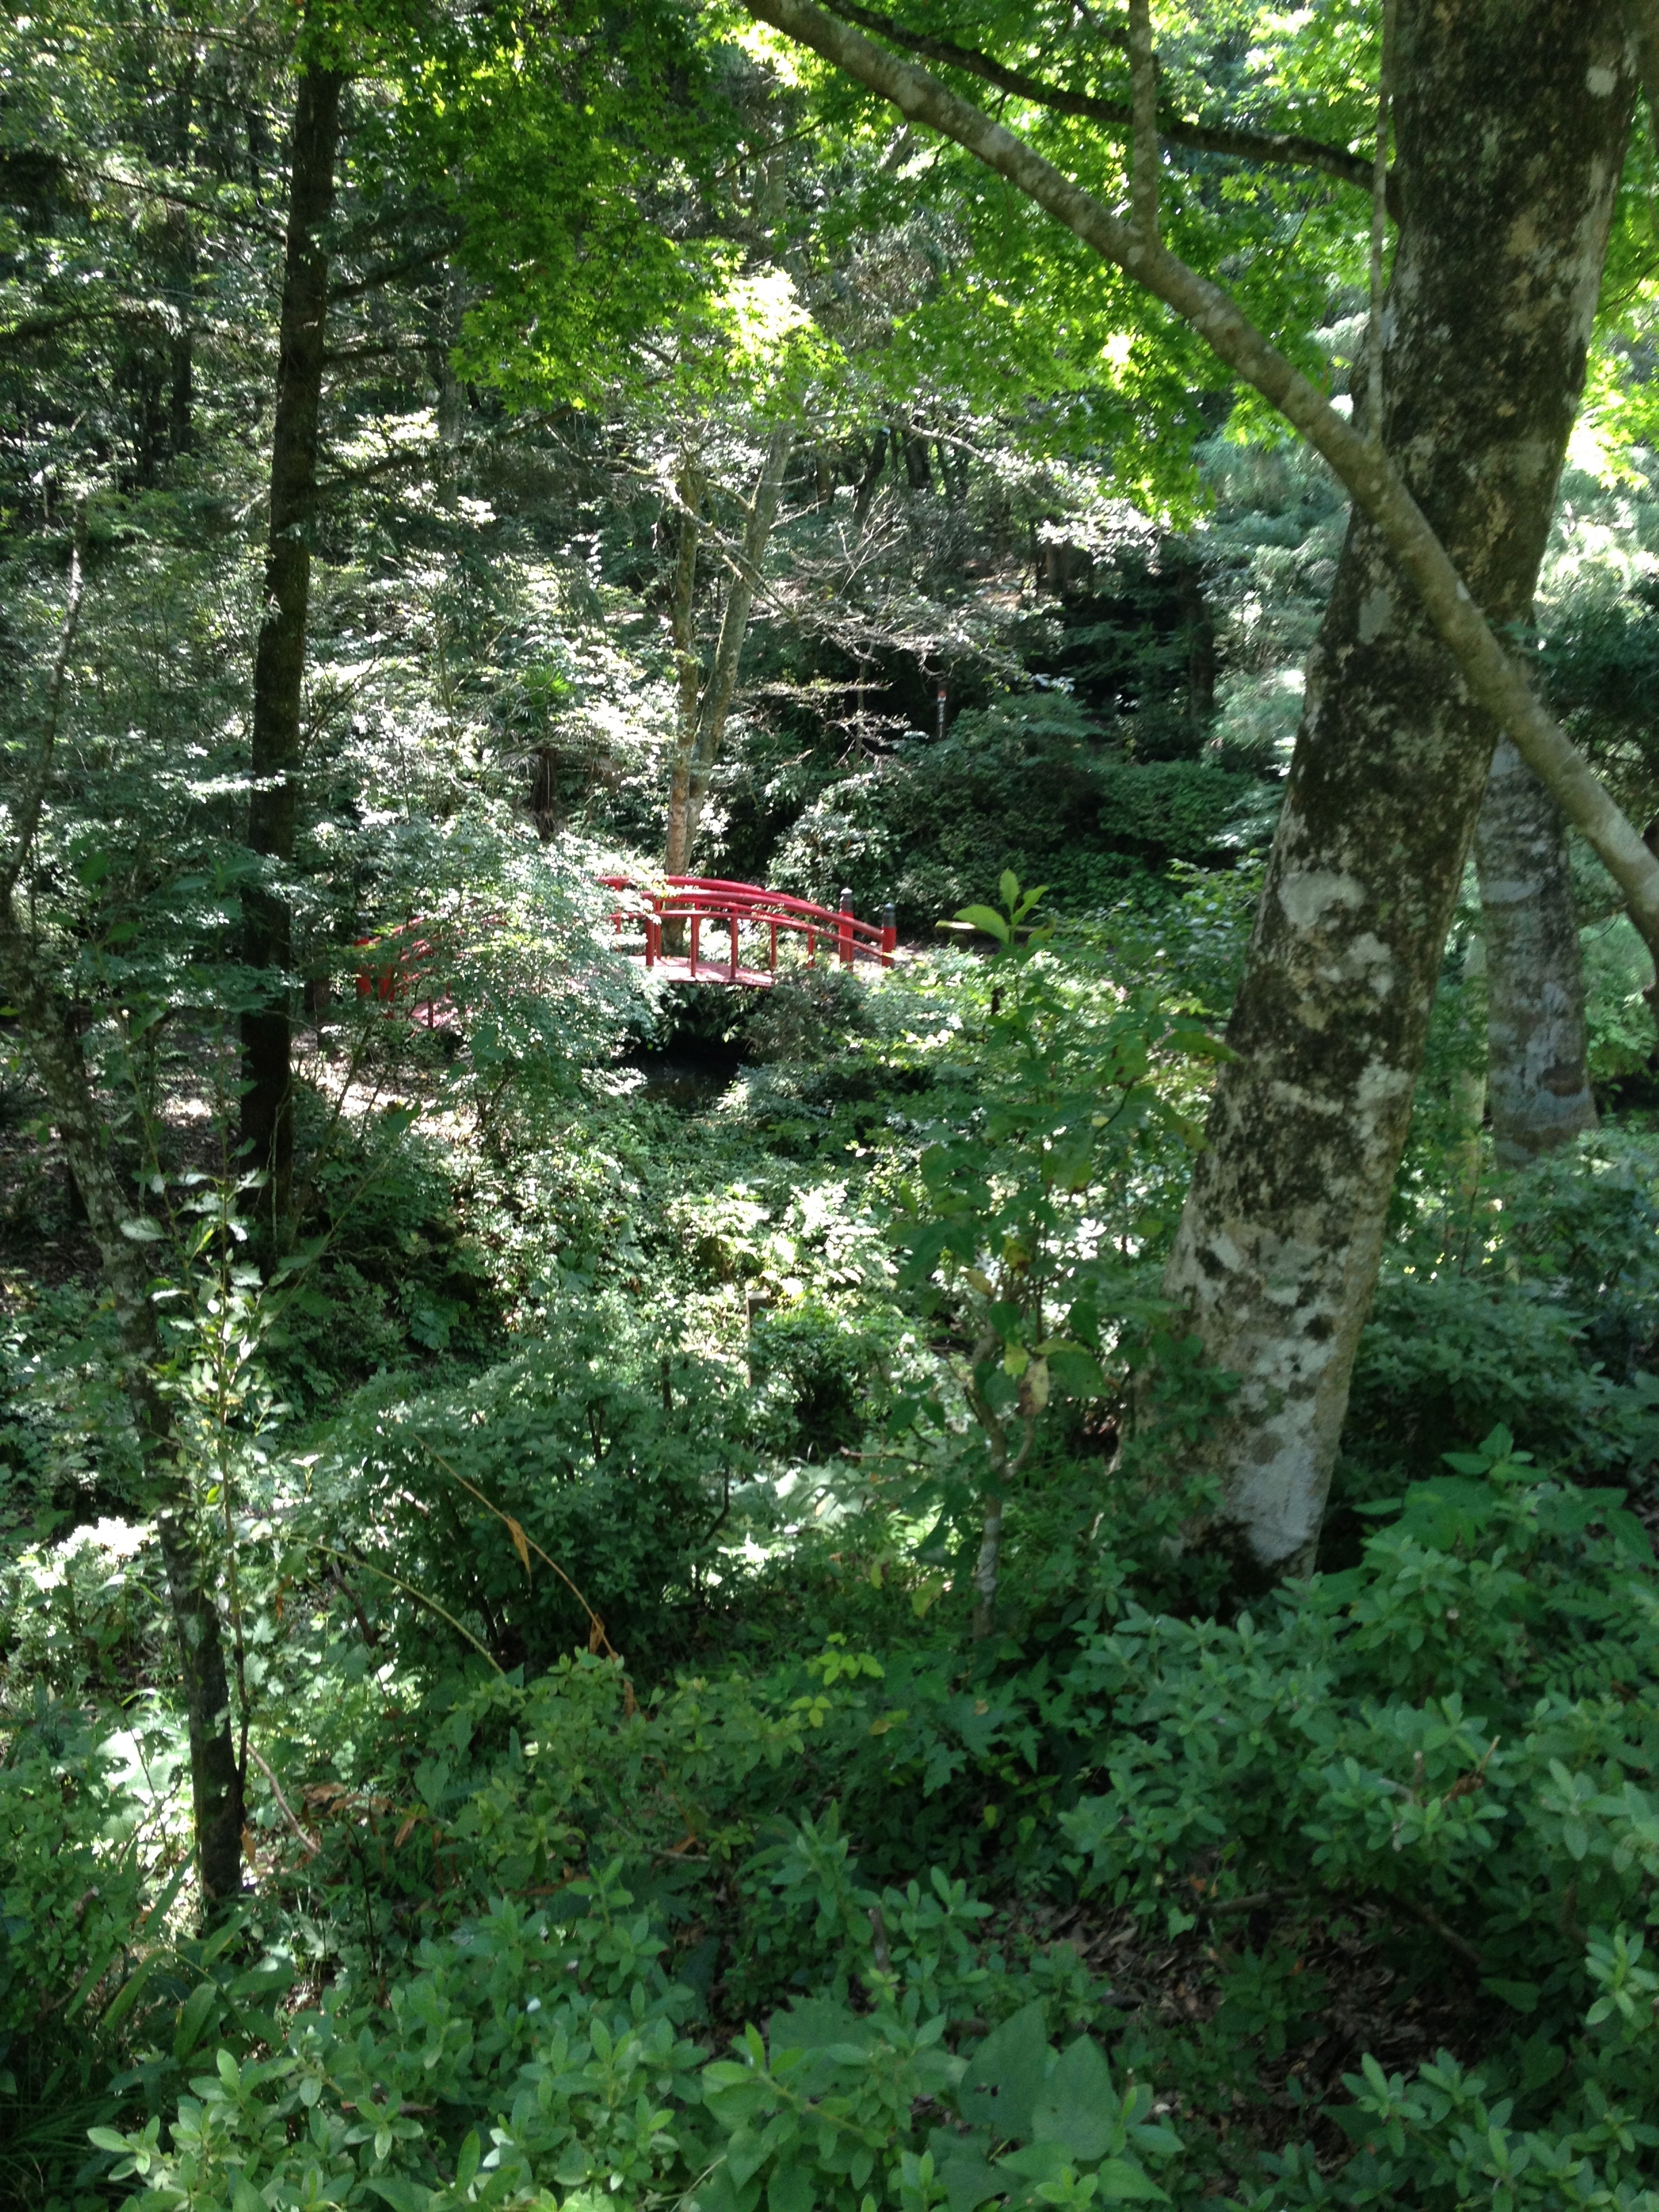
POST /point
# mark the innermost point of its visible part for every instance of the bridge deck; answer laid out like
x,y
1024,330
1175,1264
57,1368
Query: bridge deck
x,y
706,970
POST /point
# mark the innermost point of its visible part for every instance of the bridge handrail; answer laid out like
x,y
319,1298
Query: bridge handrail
x,y
698,899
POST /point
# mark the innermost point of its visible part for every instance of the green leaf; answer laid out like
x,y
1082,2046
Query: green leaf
x,y
970,2179
791,2190
986,918
1078,2104
402,2195
128,1993
142,1229
192,2021
1004,2075
1121,2183
1524,1996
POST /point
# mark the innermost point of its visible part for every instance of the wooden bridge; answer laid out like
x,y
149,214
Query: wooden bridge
x,y
694,909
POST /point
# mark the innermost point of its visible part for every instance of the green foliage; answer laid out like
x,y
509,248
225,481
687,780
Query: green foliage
x,y
1530,1301
1025,784
617,1462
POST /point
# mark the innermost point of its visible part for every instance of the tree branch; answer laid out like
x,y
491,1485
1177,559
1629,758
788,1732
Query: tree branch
x,y
1143,75
1495,680
389,272
1286,149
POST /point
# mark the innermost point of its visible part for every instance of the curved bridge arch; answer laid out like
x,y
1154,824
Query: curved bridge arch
x,y
705,907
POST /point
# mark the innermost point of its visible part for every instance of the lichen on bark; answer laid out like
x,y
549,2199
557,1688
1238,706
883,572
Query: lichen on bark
x,y
1538,1084
1510,148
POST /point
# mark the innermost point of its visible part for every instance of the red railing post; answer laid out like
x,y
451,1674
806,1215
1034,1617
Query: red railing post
x,y
697,931
845,934
774,954
889,933
734,948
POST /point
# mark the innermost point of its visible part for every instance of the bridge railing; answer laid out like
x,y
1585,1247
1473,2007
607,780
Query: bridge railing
x,y
700,900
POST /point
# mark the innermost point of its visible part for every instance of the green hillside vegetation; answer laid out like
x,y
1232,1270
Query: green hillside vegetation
x,y
617,1591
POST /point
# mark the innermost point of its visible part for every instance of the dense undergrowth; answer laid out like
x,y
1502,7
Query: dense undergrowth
x,y
636,1818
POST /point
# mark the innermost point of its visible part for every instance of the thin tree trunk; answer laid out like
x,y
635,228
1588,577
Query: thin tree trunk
x,y
54,1049
55,1054
722,682
1537,1078
871,477
918,474
1510,165
182,242
267,1115
687,666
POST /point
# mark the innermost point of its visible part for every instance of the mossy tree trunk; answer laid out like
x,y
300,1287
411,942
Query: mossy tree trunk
x,y
1511,118
1537,1086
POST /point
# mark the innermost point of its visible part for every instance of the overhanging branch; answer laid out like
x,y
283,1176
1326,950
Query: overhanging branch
x,y
1286,149
1494,679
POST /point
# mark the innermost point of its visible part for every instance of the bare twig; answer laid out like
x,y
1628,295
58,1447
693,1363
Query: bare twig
x,y
308,1842
1426,1917
381,1574
598,1640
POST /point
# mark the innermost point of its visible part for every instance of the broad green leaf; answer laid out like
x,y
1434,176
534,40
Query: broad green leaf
x,y
988,919
1121,2183
790,2189
1523,1996
192,2021
969,2179
1004,2075
402,2195
1077,2107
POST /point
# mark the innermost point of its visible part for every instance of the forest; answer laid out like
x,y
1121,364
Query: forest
x,y
828,1105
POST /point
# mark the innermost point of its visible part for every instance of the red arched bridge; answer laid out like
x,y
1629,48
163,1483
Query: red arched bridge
x,y
693,928
711,919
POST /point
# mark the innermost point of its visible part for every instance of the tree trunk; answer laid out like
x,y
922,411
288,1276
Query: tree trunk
x,y
55,1054
870,478
1537,1079
716,705
267,1115
918,474
1511,121
688,668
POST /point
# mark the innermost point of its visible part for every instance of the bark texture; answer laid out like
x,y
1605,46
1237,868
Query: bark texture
x,y
1537,1079
267,1115
1512,118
